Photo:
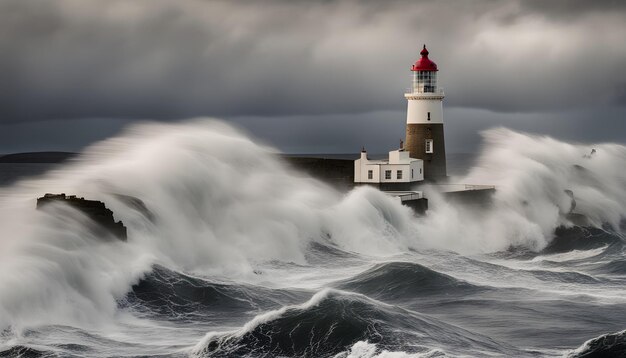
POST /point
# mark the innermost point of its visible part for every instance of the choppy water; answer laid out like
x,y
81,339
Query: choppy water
x,y
240,256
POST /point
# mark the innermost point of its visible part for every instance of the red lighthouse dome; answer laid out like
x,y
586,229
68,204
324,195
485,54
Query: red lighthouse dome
x,y
424,63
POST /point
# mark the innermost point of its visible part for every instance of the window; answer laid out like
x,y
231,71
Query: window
x,y
370,174
420,170
387,174
429,116
429,145
399,174
411,173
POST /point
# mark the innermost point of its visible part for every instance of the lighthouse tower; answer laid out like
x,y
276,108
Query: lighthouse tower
x,y
424,119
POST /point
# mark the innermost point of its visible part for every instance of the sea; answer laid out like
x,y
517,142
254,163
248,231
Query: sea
x,y
235,254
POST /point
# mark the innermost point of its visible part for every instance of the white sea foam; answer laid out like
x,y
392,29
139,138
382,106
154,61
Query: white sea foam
x,y
363,349
224,204
571,255
531,174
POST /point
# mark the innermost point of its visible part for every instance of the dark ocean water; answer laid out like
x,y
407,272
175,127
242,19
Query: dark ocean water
x,y
241,257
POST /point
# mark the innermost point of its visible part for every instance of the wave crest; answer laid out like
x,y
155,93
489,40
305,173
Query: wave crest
x,y
405,280
606,345
333,321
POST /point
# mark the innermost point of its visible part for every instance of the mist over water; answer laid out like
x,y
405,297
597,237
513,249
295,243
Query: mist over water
x,y
237,254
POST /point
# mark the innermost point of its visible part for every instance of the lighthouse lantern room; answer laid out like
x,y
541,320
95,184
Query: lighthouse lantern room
x,y
424,121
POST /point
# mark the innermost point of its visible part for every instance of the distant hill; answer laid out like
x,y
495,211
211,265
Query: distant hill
x,y
36,157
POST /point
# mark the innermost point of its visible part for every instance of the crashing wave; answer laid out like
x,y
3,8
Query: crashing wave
x,y
226,208
175,295
607,345
333,321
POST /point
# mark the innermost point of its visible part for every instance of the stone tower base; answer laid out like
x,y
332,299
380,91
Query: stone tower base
x,y
435,162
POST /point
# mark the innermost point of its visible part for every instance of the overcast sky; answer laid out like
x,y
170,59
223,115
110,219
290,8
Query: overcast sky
x,y
309,76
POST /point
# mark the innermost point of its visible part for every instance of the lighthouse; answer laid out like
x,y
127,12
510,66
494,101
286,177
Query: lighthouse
x,y
424,119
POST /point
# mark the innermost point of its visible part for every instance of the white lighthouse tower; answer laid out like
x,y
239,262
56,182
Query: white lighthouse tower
x,y
424,119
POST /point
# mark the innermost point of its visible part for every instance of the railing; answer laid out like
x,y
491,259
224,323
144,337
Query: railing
x,y
478,187
464,187
410,90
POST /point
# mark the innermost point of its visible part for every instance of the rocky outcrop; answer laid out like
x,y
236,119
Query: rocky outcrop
x,y
93,209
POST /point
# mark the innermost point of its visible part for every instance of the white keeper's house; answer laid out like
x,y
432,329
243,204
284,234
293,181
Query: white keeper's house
x,y
398,172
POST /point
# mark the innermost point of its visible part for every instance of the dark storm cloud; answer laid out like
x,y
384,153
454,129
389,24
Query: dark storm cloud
x,y
172,59
572,8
